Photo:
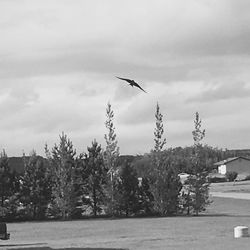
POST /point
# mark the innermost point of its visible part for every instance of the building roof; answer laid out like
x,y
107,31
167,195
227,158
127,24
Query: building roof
x,y
230,160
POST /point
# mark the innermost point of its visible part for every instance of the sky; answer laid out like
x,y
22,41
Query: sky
x,y
59,60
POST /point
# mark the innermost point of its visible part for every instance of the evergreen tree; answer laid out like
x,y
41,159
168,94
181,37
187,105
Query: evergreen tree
x,y
63,163
81,186
198,185
36,186
127,195
145,197
96,176
111,155
6,184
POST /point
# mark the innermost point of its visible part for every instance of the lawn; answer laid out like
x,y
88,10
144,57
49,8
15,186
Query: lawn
x,y
213,230
239,186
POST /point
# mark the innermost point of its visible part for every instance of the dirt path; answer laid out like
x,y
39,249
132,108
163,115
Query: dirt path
x,y
234,195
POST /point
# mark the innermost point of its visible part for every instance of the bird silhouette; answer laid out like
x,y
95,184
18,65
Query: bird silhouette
x,y
132,83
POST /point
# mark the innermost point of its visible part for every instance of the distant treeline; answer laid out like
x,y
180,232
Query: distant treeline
x,y
16,164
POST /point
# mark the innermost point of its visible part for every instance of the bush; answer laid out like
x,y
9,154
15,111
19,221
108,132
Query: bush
x,y
231,175
217,179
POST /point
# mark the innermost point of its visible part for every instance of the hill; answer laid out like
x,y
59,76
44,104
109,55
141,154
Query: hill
x,y
17,163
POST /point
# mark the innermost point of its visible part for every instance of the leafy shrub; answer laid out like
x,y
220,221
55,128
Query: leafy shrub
x,y
231,175
217,179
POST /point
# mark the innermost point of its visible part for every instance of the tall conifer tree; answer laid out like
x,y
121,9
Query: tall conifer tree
x,y
63,164
5,180
36,186
128,201
7,186
97,173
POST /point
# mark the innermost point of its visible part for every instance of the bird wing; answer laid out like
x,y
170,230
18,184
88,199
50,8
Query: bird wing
x,y
125,79
138,86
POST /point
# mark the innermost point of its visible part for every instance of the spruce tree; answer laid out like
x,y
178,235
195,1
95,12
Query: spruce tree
x,y
127,195
97,173
145,197
63,163
6,184
36,186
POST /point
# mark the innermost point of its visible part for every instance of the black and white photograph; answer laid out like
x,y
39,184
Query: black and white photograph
x,y
124,125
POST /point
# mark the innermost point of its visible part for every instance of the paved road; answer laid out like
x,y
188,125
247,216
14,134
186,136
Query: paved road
x,y
234,195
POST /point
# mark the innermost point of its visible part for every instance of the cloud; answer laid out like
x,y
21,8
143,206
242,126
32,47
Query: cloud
x,y
16,99
224,91
150,43
58,62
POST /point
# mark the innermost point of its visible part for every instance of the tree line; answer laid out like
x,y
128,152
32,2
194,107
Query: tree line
x,y
100,182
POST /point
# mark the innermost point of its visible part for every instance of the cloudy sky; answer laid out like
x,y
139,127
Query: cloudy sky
x,y
59,59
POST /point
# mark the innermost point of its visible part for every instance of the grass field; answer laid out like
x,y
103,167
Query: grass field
x,y
241,186
212,230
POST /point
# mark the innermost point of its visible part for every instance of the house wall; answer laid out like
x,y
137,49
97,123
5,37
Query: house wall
x,y
222,169
240,166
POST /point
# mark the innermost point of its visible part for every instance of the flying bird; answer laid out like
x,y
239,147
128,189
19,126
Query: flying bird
x,y
132,83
